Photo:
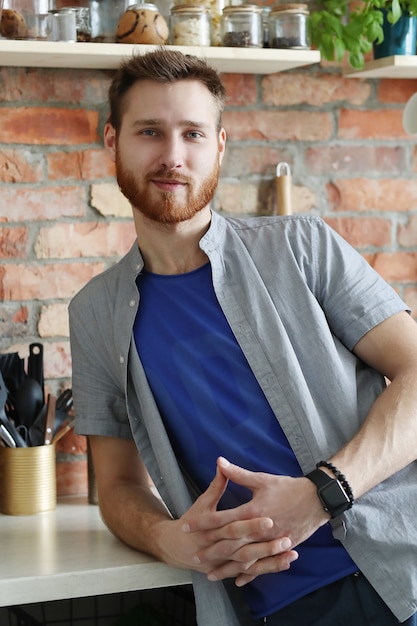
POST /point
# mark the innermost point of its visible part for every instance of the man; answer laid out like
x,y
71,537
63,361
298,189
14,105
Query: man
x,y
236,356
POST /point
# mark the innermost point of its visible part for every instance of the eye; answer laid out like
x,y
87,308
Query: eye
x,y
149,132
194,134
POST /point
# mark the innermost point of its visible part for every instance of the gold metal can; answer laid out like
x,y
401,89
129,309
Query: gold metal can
x,y
28,480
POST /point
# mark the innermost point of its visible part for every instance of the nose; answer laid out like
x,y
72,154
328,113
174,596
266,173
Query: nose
x,y
171,156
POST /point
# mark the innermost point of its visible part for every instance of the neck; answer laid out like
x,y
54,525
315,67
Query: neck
x,y
172,248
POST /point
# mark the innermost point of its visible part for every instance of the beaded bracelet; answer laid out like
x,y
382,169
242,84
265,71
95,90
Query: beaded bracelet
x,y
341,478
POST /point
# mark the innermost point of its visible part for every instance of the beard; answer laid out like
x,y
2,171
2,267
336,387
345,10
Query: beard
x,y
167,209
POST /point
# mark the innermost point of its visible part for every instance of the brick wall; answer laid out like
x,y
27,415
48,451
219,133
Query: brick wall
x,y
62,219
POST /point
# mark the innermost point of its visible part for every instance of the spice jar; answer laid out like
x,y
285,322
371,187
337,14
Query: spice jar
x,y
242,26
190,26
215,7
142,23
288,26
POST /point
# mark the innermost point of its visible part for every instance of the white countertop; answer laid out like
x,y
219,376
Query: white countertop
x,y
69,553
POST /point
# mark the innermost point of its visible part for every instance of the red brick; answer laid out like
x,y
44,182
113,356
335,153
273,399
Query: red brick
x,y
362,194
51,203
57,359
245,160
278,125
20,165
53,321
13,319
396,267
342,159
245,198
44,282
48,85
81,165
284,89
71,477
13,242
72,444
407,233
54,126
85,239
362,232
394,90
240,89
377,124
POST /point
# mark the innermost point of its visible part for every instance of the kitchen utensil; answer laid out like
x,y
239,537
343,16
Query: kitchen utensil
x,y
283,187
63,430
12,432
12,368
6,437
28,402
35,365
6,423
63,406
64,401
50,419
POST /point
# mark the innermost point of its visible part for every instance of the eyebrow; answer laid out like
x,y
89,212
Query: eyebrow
x,y
158,122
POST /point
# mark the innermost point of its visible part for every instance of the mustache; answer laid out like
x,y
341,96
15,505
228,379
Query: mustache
x,y
165,174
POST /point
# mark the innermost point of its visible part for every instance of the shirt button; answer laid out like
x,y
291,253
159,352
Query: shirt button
x,y
121,358
132,303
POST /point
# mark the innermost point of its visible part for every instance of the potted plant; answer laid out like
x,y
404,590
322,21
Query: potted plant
x,y
337,26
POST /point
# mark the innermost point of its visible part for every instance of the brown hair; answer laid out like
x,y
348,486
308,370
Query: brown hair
x,y
162,66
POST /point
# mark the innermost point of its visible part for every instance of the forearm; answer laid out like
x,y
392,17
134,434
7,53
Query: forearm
x,y
387,442
133,514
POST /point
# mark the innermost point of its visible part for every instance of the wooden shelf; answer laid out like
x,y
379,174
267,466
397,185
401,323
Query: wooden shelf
x,y
107,56
398,66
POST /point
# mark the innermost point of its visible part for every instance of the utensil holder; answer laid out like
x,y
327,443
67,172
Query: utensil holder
x,y
28,479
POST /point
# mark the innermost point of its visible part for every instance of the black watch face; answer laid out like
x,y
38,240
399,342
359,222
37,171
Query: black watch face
x,y
334,498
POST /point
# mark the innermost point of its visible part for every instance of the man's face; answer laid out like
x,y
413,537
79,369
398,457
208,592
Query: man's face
x,y
168,150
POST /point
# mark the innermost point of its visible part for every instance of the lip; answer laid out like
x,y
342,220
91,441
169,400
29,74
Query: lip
x,y
168,185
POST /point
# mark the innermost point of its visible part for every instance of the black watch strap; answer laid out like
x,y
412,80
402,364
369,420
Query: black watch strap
x,y
331,493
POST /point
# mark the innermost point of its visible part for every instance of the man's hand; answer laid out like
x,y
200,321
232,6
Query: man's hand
x,y
222,550
283,512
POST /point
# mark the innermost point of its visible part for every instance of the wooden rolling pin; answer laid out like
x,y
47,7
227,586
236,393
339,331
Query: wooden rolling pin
x,y
283,183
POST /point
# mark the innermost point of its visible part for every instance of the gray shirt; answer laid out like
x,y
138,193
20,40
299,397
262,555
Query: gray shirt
x,y
298,298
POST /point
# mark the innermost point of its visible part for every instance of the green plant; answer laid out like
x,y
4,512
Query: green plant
x,y
337,27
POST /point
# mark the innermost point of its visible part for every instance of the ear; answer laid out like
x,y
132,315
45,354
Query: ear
x,y
222,144
110,140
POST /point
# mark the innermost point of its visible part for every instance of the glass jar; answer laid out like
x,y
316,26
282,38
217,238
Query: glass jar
x,y
216,8
105,16
288,26
190,26
142,23
25,19
242,26
82,21
266,12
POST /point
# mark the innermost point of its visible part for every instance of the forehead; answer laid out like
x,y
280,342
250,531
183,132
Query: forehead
x,y
150,99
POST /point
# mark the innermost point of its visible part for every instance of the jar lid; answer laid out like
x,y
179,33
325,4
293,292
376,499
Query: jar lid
x,y
242,8
189,8
290,8
142,6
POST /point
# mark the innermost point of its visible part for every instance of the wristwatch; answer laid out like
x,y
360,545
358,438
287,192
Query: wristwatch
x,y
331,493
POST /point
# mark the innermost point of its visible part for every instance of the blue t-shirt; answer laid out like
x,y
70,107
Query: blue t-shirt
x,y
212,405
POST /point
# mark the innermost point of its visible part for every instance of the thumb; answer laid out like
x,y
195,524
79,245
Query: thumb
x,y
239,475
